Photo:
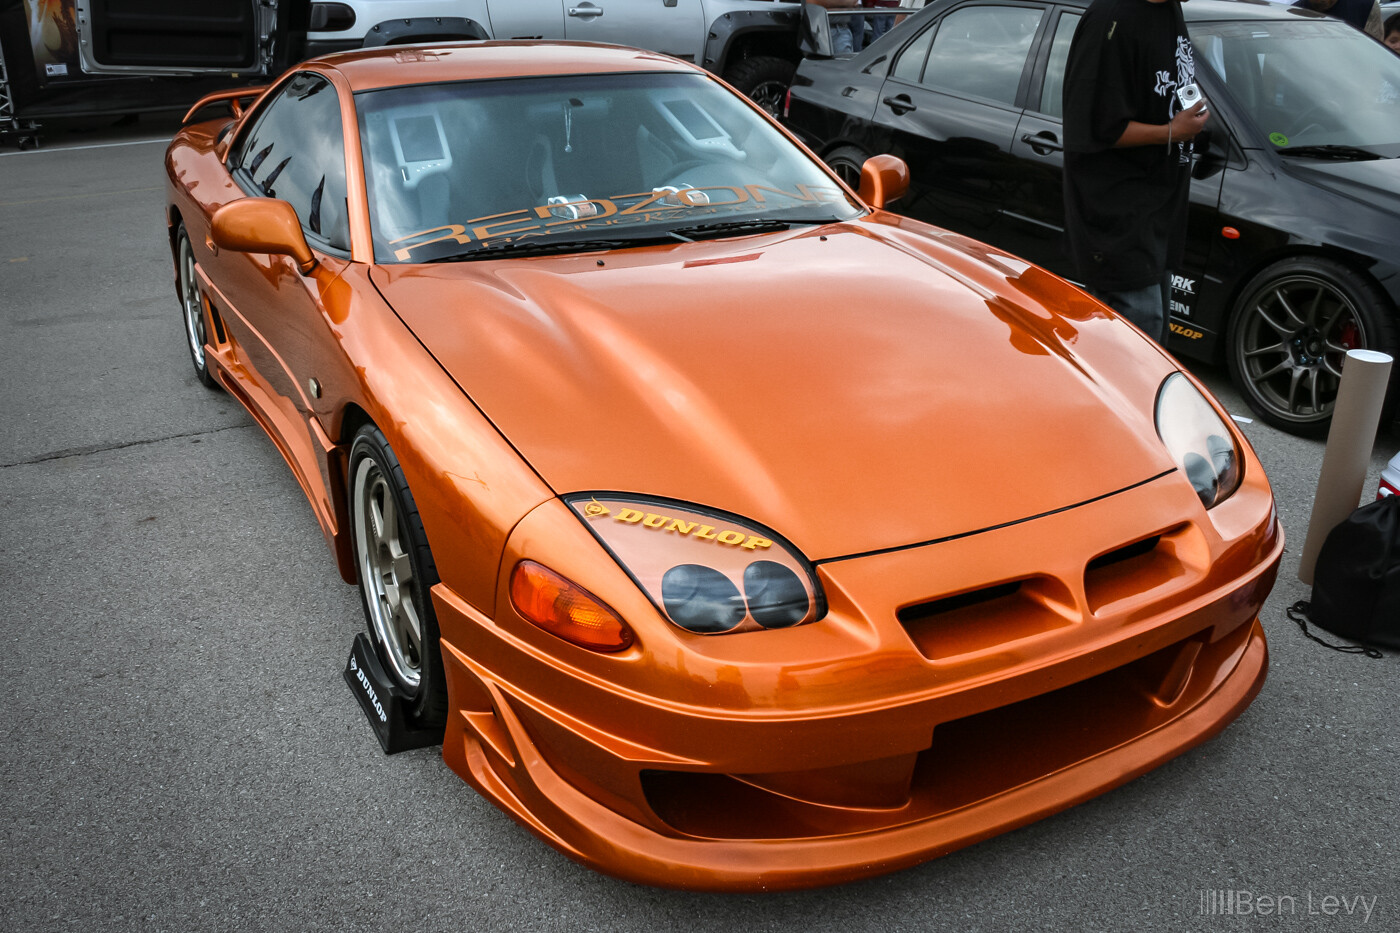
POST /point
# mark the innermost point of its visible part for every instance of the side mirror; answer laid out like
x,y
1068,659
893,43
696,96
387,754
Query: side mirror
x,y
262,225
814,33
883,180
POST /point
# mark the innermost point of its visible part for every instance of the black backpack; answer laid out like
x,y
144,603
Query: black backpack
x,y
1356,586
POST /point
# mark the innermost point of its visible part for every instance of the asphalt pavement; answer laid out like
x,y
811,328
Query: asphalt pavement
x,y
178,750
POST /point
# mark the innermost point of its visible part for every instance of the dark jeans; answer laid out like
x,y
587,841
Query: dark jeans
x,y
1145,307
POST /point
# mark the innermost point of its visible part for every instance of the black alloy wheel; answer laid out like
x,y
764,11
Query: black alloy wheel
x,y
1290,333
846,162
764,79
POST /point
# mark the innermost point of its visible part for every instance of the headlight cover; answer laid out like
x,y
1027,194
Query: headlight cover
x,y
1198,440
708,572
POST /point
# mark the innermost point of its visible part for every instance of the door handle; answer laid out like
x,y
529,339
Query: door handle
x,y
900,105
586,11
1042,142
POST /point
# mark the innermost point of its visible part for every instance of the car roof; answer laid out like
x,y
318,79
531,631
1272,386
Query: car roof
x,y
1216,10
398,65
1210,10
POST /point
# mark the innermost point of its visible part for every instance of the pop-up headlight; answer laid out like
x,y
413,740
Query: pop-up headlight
x,y
708,572
1198,440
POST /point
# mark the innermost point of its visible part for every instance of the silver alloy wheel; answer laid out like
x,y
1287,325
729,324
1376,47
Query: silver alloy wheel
x,y
194,307
387,575
1295,333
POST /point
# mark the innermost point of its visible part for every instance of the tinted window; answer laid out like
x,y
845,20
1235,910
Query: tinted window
x,y
1053,91
910,66
981,51
296,153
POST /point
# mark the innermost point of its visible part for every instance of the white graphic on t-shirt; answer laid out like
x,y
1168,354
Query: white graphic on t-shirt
x,y
1185,62
1185,75
1165,84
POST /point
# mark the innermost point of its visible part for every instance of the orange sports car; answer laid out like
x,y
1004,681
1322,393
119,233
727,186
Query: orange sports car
x,y
730,531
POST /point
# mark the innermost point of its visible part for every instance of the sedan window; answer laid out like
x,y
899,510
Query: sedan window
x,y
1052,92
980,51
910,66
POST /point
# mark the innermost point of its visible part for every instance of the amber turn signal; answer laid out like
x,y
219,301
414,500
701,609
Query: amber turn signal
x,y
566,609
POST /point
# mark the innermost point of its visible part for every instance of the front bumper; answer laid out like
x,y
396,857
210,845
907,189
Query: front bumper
x,y
938,734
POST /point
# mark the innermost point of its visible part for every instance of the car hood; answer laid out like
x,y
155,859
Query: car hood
x,y
854,387
1373,182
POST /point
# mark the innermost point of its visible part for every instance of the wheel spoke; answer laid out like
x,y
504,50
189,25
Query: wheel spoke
x,y
376,517
1282,329
388,514
1284,366
1313,377
1279,348
401,565
1316,303
1293,389
411,628
1282,297
1331,323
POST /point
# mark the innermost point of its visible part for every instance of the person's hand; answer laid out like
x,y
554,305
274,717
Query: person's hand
x,y
1187,124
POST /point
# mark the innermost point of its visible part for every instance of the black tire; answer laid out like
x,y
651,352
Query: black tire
x,y
1290,331
383,556
764,79
846,162
192,307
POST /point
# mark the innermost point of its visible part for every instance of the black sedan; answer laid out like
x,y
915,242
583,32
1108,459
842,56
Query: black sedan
x,y
1293,253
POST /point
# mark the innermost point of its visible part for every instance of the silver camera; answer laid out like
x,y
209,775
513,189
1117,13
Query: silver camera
x,y
1189,95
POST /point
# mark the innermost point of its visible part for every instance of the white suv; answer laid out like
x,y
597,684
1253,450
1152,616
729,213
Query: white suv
x,y
752,44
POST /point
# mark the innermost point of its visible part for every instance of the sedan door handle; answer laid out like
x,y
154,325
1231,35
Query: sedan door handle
x,y
900,105
1042,143
586,11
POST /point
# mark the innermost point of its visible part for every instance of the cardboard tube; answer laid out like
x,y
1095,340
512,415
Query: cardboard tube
x,y
1357,415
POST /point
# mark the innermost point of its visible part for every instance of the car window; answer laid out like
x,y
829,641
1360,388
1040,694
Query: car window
x,y
1284,76
981,51
910,65
296,153
457,168
1052,91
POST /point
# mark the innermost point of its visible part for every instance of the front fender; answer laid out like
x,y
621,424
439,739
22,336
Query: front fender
x,y
731,25
413,29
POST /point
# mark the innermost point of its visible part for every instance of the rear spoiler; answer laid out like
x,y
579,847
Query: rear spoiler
x,y
233,98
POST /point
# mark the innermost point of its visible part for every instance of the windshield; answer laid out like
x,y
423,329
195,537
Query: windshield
x,y
474,169
1308,83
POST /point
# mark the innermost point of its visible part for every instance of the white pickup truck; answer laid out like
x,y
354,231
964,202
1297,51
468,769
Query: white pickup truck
x,y
752,44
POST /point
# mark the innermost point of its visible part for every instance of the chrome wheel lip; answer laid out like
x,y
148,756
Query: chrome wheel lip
x,y
1289,335
189,299
386,577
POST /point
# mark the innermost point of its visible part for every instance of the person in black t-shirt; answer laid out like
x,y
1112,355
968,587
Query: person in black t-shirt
x,y
1363,14
1127,164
